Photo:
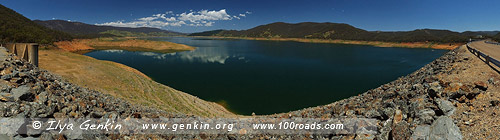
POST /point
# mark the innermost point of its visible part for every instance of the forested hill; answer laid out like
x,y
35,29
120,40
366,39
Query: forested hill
x,y
299,30
14,27
497,37
345,32
86,30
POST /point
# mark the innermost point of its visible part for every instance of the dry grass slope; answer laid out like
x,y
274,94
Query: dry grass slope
x,y
126,83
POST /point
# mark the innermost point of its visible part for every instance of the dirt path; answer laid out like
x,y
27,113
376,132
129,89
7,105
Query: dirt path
x,y
476,117
489,49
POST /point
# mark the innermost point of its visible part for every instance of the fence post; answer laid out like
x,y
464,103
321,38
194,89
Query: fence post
x,y
487,58
14,49
33,54
24,55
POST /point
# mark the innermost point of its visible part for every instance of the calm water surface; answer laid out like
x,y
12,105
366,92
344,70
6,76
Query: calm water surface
x,y
268,77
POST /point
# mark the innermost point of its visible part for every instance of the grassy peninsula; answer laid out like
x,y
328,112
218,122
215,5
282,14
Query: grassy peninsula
x,y
122,43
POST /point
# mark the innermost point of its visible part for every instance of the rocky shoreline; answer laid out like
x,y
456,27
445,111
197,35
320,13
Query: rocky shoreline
x,y
29,92
423,105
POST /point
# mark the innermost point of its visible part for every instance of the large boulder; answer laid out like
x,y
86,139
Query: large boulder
x,y
446,106
444,129
22,93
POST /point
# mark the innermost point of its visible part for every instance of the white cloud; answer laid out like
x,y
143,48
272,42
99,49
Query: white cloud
x,y
144,23
179,23
204,15
170,19
158,16
191,18
147,18
209,23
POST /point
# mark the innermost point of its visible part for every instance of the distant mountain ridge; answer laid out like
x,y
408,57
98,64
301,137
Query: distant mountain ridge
x,y
345,32
14,27
483,33
83,29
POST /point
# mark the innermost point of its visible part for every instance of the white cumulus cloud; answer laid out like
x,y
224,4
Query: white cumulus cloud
x,y
191,18
205,15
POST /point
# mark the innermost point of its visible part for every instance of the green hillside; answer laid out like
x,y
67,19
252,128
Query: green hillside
x,y
496,37
14,27
343,32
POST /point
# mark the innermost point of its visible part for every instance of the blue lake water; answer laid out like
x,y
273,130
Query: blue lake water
x,y
268,77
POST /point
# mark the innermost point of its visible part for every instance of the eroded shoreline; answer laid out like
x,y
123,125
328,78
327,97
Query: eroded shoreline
x,y
442,46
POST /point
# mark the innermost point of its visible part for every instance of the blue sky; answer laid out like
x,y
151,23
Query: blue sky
x,y
201,15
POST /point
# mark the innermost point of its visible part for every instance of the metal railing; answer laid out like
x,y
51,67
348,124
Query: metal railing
x,y
486,57
26,51
489,42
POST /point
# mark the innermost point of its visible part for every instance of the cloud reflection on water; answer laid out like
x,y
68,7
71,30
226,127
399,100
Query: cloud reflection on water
x,y
201,54
113,51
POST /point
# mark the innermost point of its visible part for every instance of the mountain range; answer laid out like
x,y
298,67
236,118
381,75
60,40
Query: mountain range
x,y
347,32
14,27
83,30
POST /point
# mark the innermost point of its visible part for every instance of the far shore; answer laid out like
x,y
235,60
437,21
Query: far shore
x,y
443,46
